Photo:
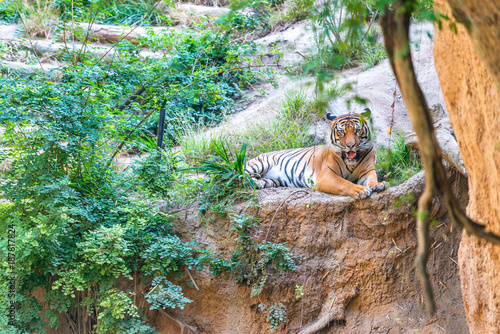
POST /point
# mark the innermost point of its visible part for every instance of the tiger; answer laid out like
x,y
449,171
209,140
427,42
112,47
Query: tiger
x,y
345,166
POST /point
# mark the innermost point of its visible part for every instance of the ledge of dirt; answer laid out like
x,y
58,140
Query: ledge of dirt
x,y
356,267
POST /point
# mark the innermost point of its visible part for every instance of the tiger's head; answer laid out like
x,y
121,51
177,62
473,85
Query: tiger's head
x,y
350,136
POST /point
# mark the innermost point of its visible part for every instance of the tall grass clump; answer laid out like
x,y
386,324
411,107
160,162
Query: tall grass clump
x,y
290,128
397,163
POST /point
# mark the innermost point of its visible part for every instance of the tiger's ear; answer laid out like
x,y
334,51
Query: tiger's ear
x,y
366,113
330,117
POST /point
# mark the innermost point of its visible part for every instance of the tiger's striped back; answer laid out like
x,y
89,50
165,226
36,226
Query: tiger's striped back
x,y
286,168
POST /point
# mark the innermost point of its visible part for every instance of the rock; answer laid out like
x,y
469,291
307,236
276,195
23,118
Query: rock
x,y
113,33
467,65
356,270
202,10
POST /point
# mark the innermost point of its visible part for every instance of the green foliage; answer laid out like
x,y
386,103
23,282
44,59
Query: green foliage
x,y
276,315
247,16
225,181
157,172
207,61
299,291
166,295
339,32
81,226
227,173
202,142
397,163
127,12
274,259
296,105
294,11
408,198
8,12
254,263
373,52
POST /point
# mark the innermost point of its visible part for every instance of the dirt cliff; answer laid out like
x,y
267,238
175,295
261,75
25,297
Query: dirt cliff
x,y
356,266
467,64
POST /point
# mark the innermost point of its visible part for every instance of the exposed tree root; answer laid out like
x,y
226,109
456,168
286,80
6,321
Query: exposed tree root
x,y
182,324
332,311
395,26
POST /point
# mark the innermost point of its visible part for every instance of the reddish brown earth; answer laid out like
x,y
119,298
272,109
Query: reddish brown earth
x,y
356,268
469,70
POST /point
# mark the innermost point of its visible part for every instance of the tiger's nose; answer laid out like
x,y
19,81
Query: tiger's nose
x,y
351,144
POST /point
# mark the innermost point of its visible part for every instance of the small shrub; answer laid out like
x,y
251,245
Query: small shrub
x,y
276,315
373,51
296,105
225,179
157,172
397,163
222,170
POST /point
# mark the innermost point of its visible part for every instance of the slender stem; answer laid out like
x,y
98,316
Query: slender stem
x,y
30,39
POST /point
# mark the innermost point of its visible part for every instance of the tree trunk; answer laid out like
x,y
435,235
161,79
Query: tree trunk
x,y
468,65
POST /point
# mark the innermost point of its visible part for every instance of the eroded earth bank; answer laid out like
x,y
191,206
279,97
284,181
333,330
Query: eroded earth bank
x,y
356,266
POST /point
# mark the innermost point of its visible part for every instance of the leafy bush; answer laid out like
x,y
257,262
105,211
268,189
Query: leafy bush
x,y
148,169
372,55
80,226
254,263
276,315
398,162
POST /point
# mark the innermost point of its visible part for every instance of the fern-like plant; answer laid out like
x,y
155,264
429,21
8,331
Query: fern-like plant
x,y
223,170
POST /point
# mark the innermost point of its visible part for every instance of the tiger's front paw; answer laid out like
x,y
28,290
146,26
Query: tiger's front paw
x,y
380,186
360,192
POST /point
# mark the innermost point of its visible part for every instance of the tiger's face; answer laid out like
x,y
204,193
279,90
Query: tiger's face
x,y
350,135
